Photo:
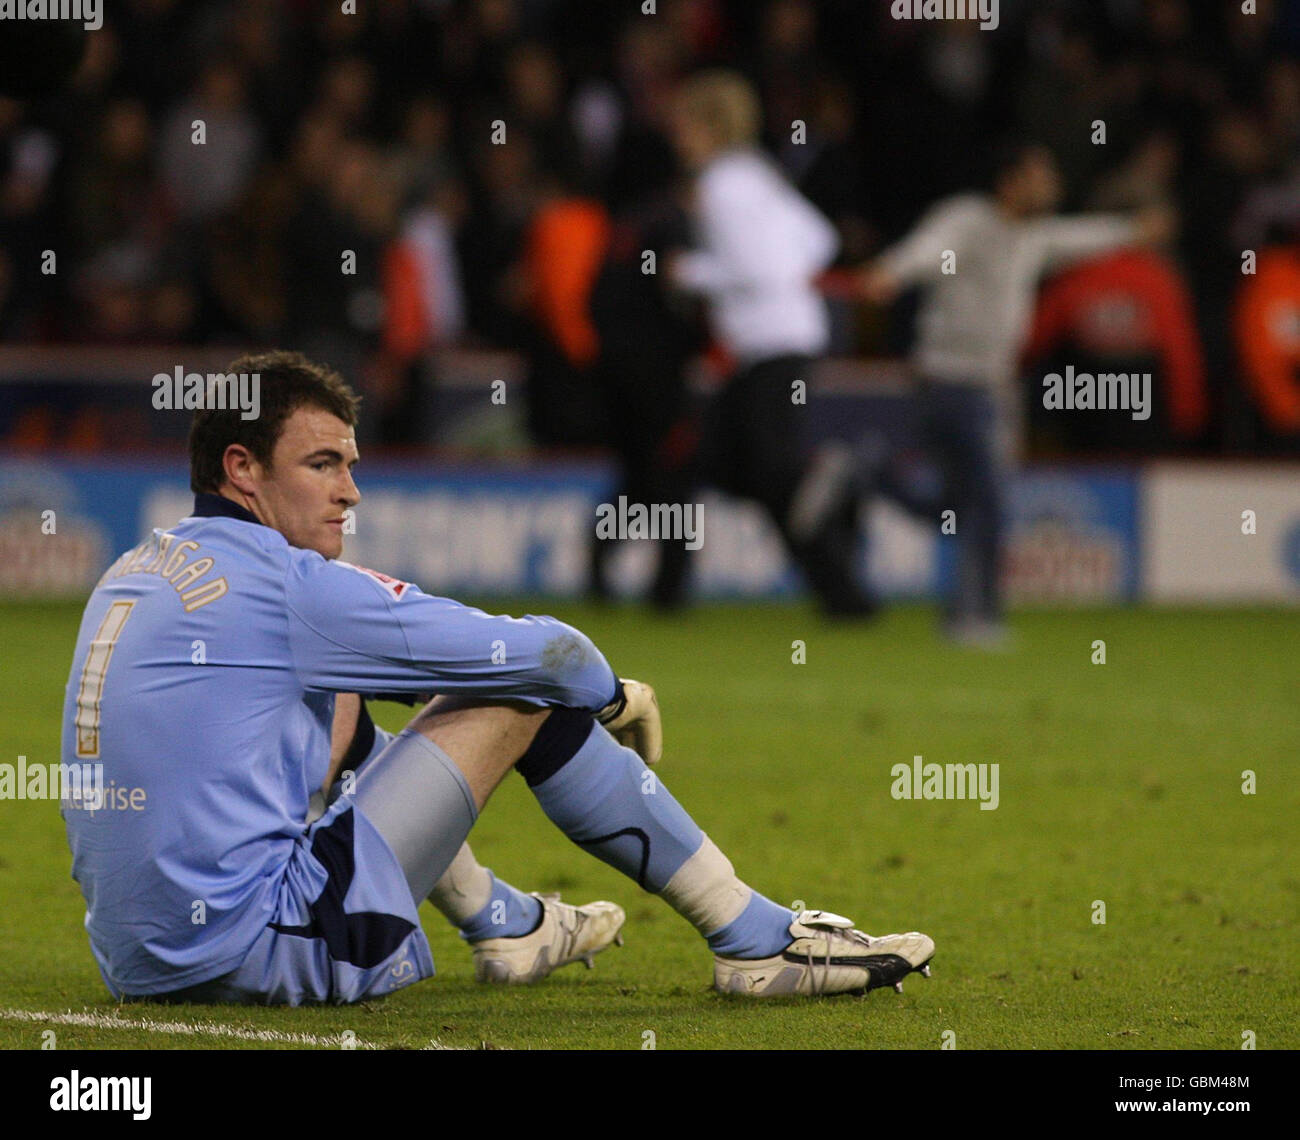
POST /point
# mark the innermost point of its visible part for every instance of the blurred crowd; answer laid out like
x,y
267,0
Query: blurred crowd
x,y
427,137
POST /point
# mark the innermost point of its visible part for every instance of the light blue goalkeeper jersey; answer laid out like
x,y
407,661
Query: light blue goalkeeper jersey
x,y
204,683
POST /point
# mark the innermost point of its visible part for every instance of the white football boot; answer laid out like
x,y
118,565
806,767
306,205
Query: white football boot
x,y
827,955
565,934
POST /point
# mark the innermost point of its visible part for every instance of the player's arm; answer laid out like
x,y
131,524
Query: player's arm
x,y
1067,240
354,631
916,258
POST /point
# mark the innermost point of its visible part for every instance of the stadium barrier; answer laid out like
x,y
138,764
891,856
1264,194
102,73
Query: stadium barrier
x,y
511,524
1165,533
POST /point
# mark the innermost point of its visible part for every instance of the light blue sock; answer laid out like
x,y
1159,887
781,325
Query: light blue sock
x,y
761,930
508,913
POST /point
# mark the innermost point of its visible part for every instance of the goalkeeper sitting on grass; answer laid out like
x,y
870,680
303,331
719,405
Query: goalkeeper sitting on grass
x,y
208,673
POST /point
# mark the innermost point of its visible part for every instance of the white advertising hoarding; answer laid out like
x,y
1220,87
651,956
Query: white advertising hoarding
x,y
1221,532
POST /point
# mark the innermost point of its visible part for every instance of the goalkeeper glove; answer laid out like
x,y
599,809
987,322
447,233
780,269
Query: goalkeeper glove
x,y
632,718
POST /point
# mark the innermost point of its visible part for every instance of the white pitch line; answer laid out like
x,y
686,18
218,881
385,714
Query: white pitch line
x,y
193,1029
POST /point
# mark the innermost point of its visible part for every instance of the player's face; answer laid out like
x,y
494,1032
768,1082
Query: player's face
x,y
309,484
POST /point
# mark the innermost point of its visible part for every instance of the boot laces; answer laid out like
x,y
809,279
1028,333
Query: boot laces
x,y
830,933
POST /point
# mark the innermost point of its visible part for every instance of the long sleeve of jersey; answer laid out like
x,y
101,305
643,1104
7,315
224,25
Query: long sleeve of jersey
x,y
353,630
1067,240
918,257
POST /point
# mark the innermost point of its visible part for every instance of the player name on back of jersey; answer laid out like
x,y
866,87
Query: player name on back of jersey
x,y
164,556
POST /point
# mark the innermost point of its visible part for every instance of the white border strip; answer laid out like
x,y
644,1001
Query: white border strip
x,y
193,1029
200,1029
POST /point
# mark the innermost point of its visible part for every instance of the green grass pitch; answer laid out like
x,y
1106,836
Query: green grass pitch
x,y
1119,782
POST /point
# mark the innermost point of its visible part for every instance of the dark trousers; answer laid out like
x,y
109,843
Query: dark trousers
x,y
958,432
650,433
753,447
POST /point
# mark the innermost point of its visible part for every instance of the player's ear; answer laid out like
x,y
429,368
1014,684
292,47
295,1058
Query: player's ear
x,y
241,469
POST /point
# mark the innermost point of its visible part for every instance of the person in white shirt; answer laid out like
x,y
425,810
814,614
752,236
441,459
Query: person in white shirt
x,y
978,259
760,244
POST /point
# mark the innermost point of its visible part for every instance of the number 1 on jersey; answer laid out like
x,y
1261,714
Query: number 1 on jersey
x,y
92,677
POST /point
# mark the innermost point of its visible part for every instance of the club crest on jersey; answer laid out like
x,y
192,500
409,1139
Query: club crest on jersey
x,y
394,586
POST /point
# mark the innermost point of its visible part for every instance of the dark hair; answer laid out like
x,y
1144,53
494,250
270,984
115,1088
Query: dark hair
x,y
288,380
